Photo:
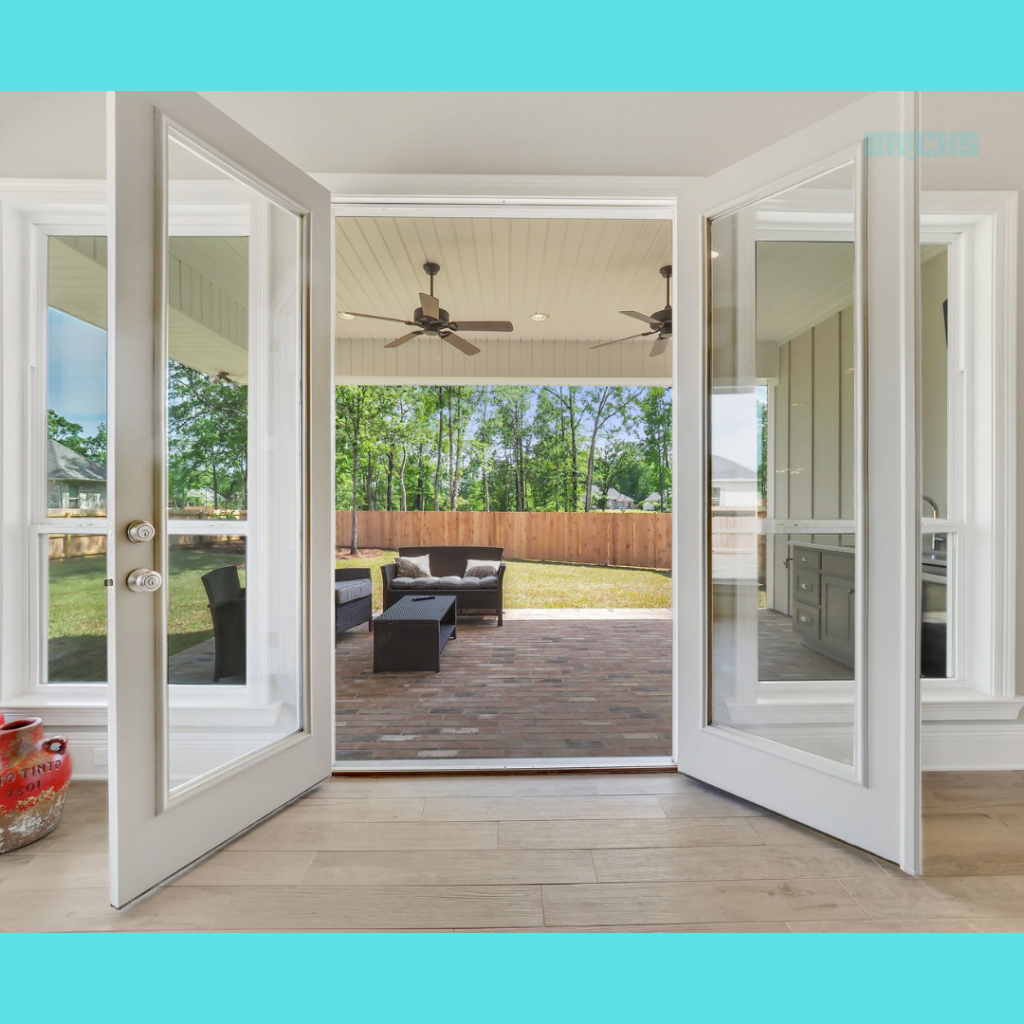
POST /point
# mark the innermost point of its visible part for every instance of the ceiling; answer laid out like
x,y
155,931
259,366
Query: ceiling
x,y
597,133
579,272
800,284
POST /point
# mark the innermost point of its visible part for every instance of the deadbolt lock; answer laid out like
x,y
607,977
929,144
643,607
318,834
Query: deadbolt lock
x,y
144,581
140,531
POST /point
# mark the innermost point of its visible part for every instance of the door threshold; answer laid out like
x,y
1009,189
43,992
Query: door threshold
x,y
505,766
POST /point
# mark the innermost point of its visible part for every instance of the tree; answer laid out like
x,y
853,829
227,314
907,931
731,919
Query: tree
x,y
350,406
603,405
656,409
208,436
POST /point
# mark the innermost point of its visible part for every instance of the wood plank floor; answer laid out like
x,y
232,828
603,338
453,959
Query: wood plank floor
x,y
645,852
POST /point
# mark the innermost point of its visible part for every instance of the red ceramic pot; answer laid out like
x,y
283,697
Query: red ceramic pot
x,y
34,777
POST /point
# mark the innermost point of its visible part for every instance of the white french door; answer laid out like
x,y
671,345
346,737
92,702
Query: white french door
x,y
796,534
222,412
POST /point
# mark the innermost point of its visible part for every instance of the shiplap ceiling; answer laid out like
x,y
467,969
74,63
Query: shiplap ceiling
x,y
579,272
800,284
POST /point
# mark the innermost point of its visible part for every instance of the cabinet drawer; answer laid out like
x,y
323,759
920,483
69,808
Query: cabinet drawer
x,y
804,558
806,587
805,620
837,564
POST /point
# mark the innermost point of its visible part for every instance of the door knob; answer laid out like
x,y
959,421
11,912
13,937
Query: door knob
x,y
144,581
140,531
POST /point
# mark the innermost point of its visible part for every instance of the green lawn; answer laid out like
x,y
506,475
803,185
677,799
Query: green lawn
x,y
77,647
559,584
78,621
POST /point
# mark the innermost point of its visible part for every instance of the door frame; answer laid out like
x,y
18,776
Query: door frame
x,y
512,197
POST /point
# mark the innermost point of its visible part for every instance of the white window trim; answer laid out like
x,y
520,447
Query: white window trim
x,y
31,212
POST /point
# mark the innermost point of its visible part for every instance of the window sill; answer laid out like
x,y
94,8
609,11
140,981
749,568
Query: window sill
x,y
191,711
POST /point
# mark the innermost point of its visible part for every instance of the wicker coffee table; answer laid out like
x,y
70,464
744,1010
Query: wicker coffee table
x,y
411,634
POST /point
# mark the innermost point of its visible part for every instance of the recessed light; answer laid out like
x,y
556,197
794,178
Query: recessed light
x,y
346,316
538,316
714,255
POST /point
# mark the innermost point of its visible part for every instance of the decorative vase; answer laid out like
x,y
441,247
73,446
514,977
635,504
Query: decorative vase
x,y
34,777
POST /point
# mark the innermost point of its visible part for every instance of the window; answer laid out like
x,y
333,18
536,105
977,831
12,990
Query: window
x,y
71,506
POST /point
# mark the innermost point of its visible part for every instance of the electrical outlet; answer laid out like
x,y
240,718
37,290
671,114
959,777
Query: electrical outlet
x,y
99,755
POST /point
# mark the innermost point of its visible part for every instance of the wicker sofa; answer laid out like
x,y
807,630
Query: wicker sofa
x,y
474,596
353,600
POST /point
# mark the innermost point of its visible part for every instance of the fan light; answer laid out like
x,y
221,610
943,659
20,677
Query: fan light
x,y
346,316
538,316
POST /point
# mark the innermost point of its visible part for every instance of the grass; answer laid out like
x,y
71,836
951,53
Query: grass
x,y
78,608
557,584
78,622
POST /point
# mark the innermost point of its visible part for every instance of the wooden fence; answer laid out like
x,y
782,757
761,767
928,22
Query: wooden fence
x,y
595,538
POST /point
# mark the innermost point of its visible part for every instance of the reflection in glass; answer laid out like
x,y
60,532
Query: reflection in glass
x,y
937,603
782,468
76,602
234,464
76,377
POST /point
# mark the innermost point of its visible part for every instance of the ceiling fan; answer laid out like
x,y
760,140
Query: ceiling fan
x,y
433,321
660,321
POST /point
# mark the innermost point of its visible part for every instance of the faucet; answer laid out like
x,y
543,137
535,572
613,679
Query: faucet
x,y
935,515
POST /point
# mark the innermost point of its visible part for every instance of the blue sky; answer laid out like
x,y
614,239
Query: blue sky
x,y
76,374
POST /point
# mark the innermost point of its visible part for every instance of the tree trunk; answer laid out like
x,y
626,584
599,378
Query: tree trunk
x,y
401,479
390,477
487,493
354,546
598,422
440,443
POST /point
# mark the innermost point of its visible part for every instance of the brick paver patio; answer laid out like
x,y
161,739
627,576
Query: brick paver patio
x,y
539,686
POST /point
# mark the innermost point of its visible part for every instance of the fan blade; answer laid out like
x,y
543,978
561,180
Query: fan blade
x,y
640,316
391,319
430,305
485,325
660,345
466,347
403,339
617,340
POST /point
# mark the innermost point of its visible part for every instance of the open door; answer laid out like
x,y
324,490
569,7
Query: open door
x,y
222,476
796,533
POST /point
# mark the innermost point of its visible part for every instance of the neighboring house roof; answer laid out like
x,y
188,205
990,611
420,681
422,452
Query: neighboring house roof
x,y
614,495
64,464
725,469
652,499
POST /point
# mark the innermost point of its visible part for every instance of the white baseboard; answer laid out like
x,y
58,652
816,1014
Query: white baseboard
x,y
972,746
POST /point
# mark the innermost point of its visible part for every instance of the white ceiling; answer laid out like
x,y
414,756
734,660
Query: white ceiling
x,y
601,133
579,272
800,284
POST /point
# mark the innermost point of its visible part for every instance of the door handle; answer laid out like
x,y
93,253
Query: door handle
x,y
144,581
140,531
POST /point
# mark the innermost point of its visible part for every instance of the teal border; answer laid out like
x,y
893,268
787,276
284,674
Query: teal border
x,y
661,979
518,45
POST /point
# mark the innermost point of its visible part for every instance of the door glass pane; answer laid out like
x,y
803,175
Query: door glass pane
x,y
76,608
76,377
783,472
234,472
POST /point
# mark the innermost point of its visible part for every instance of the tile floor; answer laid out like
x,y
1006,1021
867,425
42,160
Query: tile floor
x,y
597,852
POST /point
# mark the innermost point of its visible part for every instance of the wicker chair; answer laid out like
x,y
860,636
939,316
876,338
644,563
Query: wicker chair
x,y
353,605
227,609
451,561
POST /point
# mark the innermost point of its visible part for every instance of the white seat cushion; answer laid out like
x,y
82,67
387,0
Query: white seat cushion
x,y
425,582
469,583
402,581
351,590
489,582
450,581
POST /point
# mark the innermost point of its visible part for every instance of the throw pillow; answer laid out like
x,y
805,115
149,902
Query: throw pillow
x,y
414,568
480,567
